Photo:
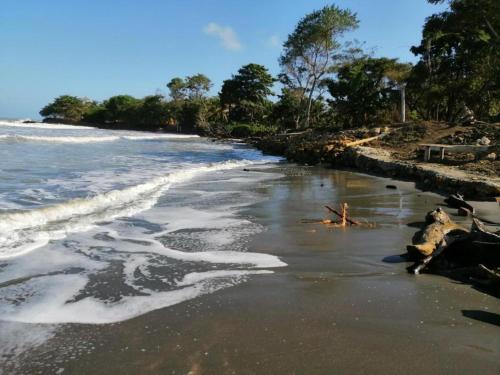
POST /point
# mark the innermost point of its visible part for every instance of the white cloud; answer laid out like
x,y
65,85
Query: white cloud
x,y
226,34
274,41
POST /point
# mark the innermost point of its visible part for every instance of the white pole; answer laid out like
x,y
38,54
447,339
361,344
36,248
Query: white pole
x,y
403,104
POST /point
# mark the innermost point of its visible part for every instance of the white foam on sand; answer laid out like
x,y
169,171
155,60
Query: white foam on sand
x,y
127,267
52,305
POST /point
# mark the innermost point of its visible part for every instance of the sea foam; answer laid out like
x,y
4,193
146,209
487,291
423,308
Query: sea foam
x,y
92,139
24,231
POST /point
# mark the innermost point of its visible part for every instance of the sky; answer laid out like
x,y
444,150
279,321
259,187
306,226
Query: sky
x,y
100,48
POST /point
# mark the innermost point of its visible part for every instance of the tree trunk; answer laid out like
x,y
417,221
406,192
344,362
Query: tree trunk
x,y
309,104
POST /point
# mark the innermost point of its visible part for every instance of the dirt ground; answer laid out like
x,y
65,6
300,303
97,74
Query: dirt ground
x,y
404,144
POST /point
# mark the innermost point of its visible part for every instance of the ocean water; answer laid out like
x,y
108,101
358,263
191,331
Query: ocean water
x,y
100,226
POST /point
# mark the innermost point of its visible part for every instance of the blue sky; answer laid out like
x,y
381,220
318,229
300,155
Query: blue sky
x,y
100,48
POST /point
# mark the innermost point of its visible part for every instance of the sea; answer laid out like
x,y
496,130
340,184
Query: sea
x,y
100,226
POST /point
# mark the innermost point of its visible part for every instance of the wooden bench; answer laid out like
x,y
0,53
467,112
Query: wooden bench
x,y
428,147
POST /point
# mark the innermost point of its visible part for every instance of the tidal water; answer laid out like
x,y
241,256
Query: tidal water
x,y
100,226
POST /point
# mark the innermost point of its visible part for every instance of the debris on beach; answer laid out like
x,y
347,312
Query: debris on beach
x,y
343,215
440,232
343,218
445,247
457,201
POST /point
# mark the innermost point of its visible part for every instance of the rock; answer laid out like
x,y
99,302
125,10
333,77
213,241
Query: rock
x,y
483,141
491,156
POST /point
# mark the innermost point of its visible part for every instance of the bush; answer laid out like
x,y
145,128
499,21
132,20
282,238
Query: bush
x,y
239,130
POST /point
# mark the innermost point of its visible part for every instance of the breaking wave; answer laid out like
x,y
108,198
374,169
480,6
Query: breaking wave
x,y
61,139
41,125
24,231
91,139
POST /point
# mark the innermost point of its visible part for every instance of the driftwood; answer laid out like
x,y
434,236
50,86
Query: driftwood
x,y
482,236
493,275
365,140
439,232
343,215
448,239
476,246
457,201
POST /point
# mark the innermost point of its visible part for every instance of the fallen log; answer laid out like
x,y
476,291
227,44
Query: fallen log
x,y
365,140
342,216
493,275
439,232
448,239
481,235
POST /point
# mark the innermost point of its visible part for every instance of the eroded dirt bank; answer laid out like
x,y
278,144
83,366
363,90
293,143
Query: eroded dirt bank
x,y
398,155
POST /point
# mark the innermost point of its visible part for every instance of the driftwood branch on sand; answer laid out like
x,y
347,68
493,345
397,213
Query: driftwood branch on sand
x,y
439,232
343,215
472,246
458,201
493,274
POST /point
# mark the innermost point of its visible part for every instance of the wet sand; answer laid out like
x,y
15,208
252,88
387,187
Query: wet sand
x,y
344,304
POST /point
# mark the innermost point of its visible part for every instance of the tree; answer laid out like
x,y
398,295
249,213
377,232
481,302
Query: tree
x,y
459,61
364,90
67,108
197,86
177,88
121,108
286,111
192,87
245,94
310,51
153,112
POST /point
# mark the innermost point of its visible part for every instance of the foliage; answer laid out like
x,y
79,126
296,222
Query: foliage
x,y
67,108
310,52
459,62
364,90
121,109
192,87
327,82
244,95
287,111
153,112
243,130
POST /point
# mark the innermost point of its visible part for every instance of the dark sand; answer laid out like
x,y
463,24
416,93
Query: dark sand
x,y
345,303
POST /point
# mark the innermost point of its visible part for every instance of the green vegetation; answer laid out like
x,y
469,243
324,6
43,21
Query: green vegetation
x,y
365,91
326,82
311,52
244,96
68,108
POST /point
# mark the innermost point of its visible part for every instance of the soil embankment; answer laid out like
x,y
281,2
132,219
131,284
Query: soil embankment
x,y
397,155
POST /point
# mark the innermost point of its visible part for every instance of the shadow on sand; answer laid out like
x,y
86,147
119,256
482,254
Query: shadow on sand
x,y
483,316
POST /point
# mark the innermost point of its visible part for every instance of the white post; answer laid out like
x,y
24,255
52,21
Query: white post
x,y
403,103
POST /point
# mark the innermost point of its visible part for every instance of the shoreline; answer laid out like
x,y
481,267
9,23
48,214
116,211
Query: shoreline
x,y
344,303
379,162
433,177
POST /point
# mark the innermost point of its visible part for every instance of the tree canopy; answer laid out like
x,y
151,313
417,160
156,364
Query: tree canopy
x,y
327,81
365,90
67,108
245,94
459,62
309,52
